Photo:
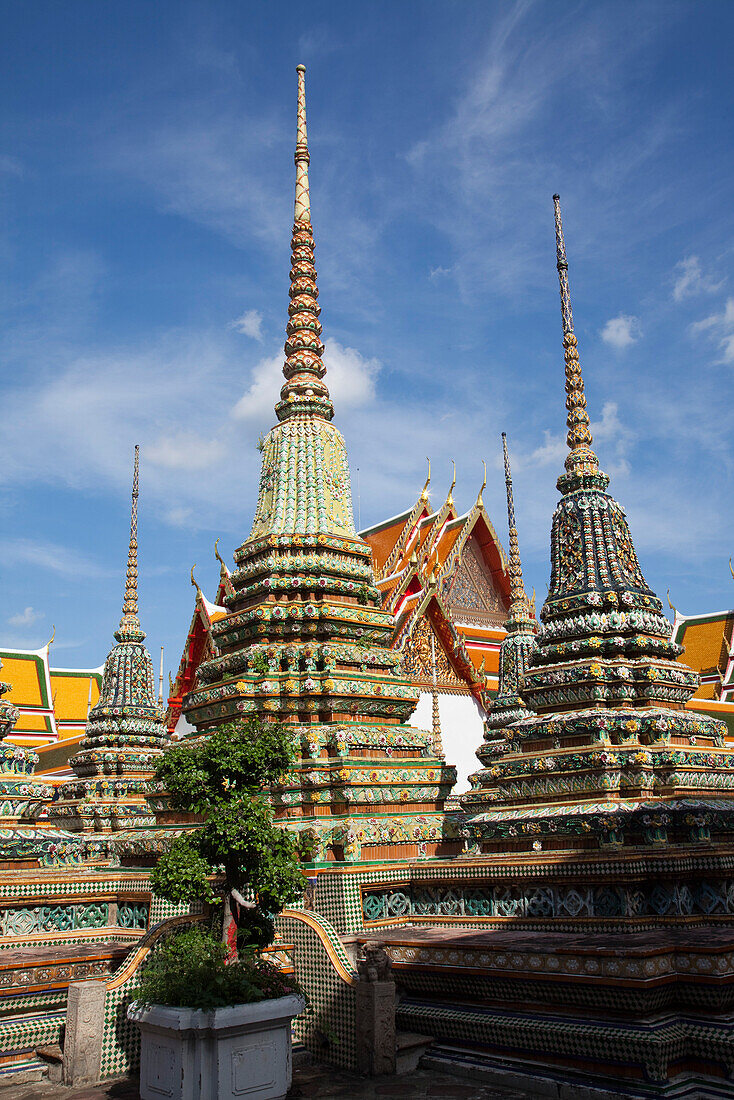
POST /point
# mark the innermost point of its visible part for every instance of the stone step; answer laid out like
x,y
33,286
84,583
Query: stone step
x,y
301,1057
530,1081
53,1057
410,1046
22,1072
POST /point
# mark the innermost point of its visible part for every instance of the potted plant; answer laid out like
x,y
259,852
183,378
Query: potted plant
x,y
215,1018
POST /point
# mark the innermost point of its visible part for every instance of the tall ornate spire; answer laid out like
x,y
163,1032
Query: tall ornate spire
x,y
581,458
518,599
304,390
304,482
305,638
508,705
129,628
602,678
125,732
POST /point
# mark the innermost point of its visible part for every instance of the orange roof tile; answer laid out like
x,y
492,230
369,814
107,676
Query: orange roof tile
x,y
70,689
706,642
383,538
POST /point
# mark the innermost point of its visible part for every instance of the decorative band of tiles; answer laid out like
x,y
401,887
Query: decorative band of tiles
x,y
659,899
576,965
25,921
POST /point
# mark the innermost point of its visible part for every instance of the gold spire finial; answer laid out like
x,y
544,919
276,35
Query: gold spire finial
x,y
518,599
50,642
302,211
480,500
424,491
305,391
731,568
129,623
581,458
194,582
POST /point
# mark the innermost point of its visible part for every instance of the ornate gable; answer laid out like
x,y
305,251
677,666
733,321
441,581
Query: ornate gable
x,y
421,649
470,591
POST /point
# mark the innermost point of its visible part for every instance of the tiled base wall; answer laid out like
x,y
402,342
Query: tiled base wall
x,y
20,1035
650,1048
327,1030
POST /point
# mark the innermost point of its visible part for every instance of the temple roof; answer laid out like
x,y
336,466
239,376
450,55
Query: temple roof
x,y
707,642
53,702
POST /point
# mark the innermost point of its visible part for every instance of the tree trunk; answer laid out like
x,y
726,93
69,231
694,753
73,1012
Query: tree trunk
x,y
229,927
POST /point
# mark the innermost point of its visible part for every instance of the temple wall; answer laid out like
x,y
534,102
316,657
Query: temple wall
x,y
462,730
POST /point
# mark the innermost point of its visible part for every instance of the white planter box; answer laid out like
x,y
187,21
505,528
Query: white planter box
x,y
192,1054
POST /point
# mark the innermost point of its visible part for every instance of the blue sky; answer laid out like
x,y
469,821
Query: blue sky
x,y
146,183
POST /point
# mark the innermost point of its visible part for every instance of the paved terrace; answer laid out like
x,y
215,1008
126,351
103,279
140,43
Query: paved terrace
x,y
308,1081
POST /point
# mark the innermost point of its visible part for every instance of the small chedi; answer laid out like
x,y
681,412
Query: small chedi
x,y
608,755
507,705
305,639
126,731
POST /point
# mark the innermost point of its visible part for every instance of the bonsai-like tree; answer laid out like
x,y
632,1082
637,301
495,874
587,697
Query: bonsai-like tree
x,y
237,851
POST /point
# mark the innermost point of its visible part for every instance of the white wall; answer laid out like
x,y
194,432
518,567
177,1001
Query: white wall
x,y
462,729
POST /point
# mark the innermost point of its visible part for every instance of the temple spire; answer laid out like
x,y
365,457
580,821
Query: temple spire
x,y
518,599
581,458
129,628
302,211
304,391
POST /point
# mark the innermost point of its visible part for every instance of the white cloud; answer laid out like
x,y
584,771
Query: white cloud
x,y
51,557
185,450
349,375
179,517
609,431
10,165
621,332
26,617
249,324
690,280
720,328
491,139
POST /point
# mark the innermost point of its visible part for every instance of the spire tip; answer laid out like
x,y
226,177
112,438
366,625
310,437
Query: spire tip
x,y
581,458
129,628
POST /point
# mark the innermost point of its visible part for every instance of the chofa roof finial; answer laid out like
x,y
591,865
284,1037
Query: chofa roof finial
x,y
424,491
450,497
480,498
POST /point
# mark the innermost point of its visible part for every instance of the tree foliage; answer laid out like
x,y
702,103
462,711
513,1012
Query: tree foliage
x,y
192,970
222,777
